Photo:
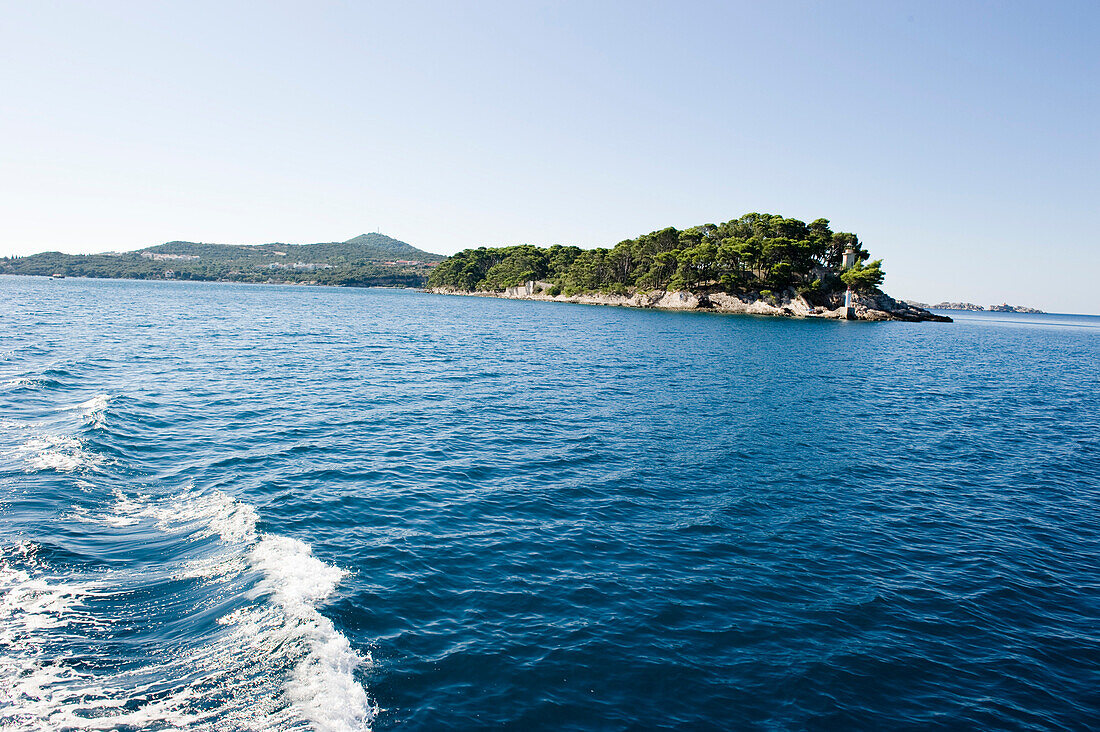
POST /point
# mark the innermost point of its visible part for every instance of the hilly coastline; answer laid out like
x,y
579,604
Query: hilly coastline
x,y
366,260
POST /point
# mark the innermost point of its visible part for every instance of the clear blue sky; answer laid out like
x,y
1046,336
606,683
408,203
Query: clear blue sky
x,y
959,140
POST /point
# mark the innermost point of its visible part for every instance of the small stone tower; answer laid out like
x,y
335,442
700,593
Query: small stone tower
x,y
849,260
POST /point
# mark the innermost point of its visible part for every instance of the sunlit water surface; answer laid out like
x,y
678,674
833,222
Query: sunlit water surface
x,y
258,507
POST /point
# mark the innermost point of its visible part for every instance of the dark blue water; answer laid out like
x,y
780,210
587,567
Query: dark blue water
x,y
247,507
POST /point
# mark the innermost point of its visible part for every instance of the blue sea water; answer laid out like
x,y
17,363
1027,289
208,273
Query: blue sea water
x,y
234,507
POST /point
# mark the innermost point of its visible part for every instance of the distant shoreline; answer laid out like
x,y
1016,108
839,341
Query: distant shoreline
x,y
195,280
971,307
366,260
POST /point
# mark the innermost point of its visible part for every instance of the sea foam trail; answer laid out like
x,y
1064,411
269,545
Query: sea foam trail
x,y
322,684
276,662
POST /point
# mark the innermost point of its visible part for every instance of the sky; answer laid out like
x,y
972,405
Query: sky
x,y
959,140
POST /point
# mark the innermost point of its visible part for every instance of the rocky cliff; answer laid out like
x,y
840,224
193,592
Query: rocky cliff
x,y
787,304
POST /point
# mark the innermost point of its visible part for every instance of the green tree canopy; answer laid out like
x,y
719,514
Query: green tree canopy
x,y
864,278
752,253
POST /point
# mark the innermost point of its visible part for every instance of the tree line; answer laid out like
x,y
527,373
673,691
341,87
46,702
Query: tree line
x,y
762,253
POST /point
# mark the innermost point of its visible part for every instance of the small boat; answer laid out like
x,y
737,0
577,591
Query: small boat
x,y
58,276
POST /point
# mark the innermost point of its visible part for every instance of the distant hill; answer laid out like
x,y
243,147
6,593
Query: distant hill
x,y
392,246
368,259
365,247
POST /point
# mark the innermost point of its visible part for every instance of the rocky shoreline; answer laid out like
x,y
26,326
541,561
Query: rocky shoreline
x,y
786,305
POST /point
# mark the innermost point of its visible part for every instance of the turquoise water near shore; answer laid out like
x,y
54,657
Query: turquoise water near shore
x,y
262,507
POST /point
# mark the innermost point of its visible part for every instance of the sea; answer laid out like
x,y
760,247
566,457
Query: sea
x,y
262,507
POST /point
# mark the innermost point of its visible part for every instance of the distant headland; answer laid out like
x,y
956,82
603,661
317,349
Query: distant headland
x,y
761,264
367,260
969,306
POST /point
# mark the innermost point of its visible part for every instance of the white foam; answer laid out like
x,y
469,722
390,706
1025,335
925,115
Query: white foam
x,y
279,662
94,410
58,452
124,512
220,569
62,452
200,515
31,603
34,602
322,685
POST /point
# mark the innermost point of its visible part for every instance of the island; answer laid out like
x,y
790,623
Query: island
x,y
971,307
762,264
1006,308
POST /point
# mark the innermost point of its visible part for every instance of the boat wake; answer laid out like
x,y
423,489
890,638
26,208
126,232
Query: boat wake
x,y
154,612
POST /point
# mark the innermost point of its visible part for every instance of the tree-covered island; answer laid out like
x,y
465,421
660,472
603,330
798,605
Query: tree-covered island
x,y
759,263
